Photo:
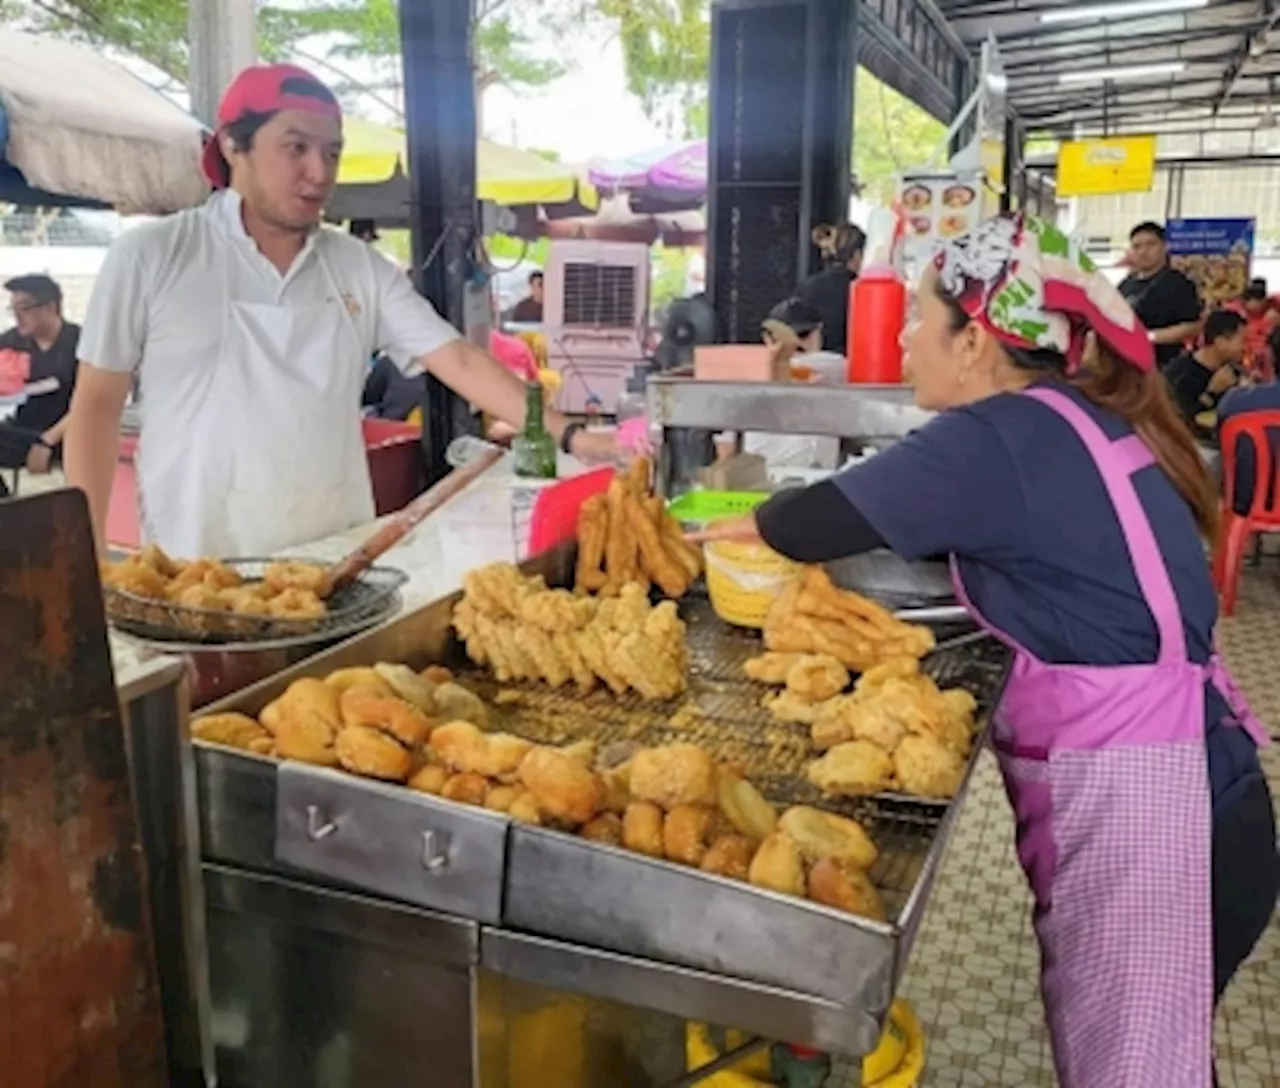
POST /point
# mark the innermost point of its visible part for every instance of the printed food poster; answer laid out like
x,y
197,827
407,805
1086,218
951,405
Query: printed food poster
x,y
1214,253
938,207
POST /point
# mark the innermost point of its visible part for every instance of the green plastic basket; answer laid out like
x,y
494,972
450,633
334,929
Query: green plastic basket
x,y
705,506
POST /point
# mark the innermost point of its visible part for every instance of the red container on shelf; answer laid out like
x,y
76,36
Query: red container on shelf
x,y
877,312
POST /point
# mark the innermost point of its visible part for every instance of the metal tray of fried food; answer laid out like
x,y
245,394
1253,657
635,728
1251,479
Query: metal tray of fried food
x,y
569,888
366,601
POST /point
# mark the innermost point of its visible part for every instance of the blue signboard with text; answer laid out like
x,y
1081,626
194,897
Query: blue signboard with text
x,y
1214,253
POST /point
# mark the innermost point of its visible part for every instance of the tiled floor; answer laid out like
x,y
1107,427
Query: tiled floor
x,y
973,973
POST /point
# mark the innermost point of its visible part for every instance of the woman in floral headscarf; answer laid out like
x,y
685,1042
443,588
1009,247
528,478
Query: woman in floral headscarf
x,y
1074,506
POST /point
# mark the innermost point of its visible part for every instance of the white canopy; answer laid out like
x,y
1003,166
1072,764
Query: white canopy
x,y
81,125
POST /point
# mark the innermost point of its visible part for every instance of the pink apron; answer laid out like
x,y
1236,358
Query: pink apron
x,y
1108,776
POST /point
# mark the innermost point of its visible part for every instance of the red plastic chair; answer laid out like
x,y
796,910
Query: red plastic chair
x,y
1264,511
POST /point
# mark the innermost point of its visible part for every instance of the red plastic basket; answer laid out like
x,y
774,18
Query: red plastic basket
x,y
555,511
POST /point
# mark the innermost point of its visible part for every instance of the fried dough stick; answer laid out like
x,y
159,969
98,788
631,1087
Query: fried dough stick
x,y
620,556
667,572
593,531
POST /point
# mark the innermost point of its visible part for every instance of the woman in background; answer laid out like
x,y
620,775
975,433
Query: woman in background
x,y
828,291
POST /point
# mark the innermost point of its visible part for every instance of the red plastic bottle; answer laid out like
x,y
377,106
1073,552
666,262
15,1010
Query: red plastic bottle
x,y
877,312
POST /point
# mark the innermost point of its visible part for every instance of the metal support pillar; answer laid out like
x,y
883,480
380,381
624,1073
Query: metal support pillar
x,y
223,40
1014,170
440,129
780,145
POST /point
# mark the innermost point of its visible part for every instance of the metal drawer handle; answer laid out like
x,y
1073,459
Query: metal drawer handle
x,y
435,854
318,828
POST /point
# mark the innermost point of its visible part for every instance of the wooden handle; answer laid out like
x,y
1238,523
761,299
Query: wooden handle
x,y
348,569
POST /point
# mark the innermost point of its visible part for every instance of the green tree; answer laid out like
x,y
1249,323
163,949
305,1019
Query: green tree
x,y
156,31
666,46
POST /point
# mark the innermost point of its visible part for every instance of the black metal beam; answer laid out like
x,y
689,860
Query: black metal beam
x,y
440,130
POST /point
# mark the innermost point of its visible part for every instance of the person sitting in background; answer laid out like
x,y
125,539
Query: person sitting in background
x,y
827,292
1165,300
1198,378
797,326
1259,311
528,311
32,438
1255,398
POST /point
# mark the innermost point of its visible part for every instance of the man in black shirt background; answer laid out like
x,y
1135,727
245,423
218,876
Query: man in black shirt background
x,y
32,437
1197,379
1166,302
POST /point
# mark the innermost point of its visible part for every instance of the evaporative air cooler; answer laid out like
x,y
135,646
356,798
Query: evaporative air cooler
x,y
595,315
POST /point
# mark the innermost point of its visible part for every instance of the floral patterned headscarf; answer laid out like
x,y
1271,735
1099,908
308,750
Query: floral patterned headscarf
x,y
1033,287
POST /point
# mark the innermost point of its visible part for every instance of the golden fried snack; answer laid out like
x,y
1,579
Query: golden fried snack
x,y
525,810
555,610
565,644
832,726
667,573
501,798
653,658
548,665
291,574
465,748
777,865
897,668
312,698
852,769
771,667
745,807
676,774
593,528
874,720
820,834
371,753
562,786
269,717
606,828
584,751
203,597
210,572
685,832
135,577
456,703
296,604
637,477
390,715
234,731
687,555
787,707
620,554
154,556
467,789
408,685
817,678
845,888
961,706
244,601
926,768
358,676
642,826
436,674
308,739
921,709
429,779
729,855
617,787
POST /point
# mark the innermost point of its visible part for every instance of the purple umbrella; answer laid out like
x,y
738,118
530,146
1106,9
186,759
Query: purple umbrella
x,y
670,176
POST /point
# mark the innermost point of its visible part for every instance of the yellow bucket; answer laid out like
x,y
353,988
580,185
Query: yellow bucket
x,y
898,1062
743,580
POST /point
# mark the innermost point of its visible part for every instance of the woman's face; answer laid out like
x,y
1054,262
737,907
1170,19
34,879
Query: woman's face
x,y
938,360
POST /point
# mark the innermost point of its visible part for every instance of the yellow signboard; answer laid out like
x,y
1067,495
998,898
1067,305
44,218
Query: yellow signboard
x,y
1113,164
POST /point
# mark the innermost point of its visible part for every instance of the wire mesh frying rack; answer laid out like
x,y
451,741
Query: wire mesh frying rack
x,y
373,596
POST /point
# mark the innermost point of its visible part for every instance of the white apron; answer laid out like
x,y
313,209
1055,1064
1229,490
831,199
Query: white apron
x,y
274,455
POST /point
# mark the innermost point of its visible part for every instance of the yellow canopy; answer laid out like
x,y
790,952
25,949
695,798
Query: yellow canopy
x,y
504,175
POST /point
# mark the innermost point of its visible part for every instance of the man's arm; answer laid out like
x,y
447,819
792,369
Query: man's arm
x,y
1186,312
1176,334
93,438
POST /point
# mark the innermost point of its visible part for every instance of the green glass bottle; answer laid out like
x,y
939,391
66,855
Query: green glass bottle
x,y
534,447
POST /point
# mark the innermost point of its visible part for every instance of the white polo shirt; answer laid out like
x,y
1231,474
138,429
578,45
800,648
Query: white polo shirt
x,y
160,302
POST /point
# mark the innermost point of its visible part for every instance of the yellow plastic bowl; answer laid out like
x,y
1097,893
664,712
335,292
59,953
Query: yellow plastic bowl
x,y
898,1062
743,580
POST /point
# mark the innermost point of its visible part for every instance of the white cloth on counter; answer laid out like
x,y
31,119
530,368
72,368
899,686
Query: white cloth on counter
x,y
251,441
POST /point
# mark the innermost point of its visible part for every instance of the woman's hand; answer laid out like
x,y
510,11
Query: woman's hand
x,y
743,529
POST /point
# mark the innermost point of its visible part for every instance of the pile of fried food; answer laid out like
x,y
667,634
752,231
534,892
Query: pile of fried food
x,y
288,590
896,731
627,537
814,616
675,802
522,630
